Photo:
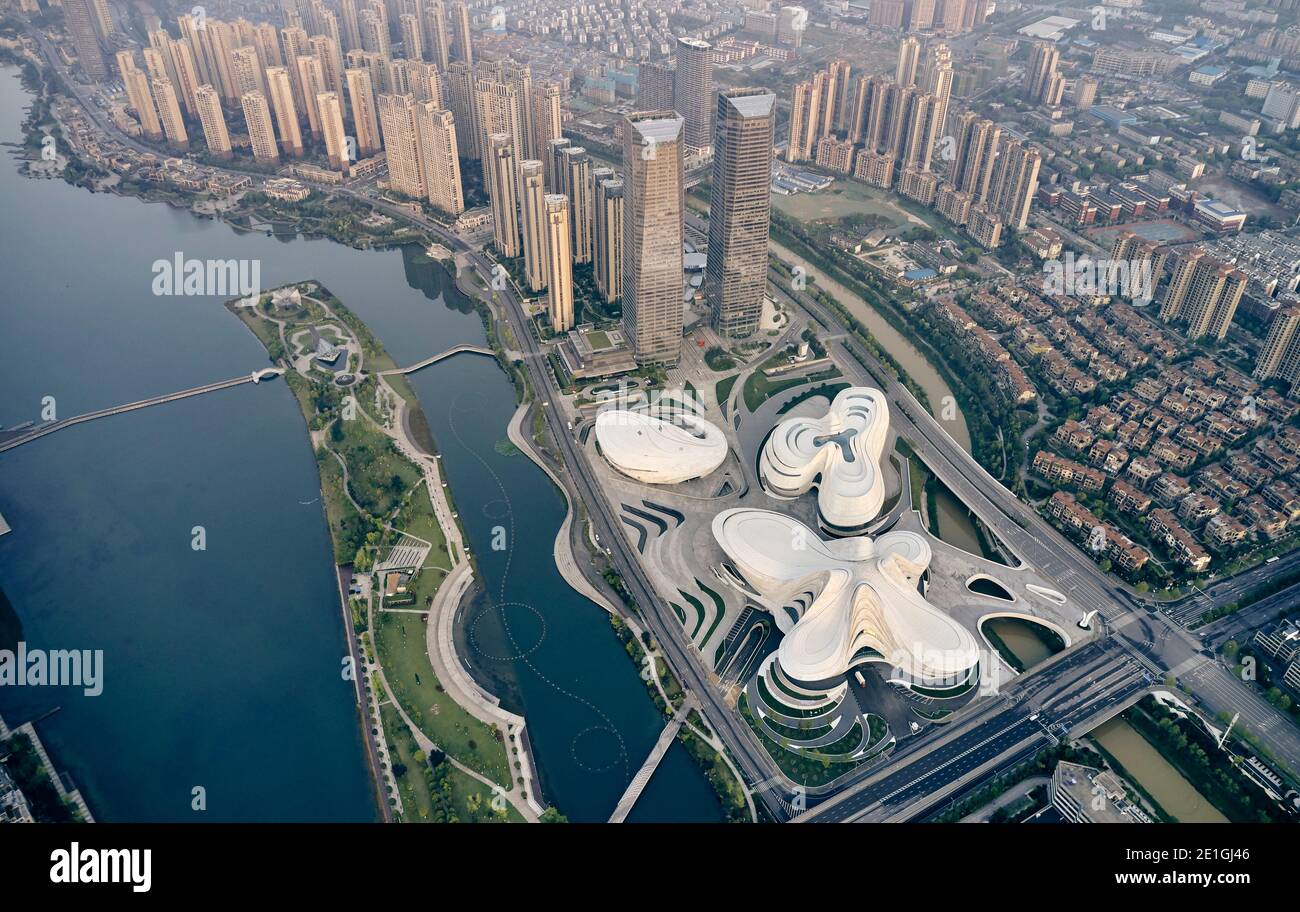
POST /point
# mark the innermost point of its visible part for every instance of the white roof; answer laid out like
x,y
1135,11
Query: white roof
x,y
864,596
843,448
660,450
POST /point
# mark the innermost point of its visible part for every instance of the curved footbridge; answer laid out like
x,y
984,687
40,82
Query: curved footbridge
x,y
42,430
434,359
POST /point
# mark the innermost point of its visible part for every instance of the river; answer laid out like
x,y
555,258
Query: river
x,y
222,665
1155,774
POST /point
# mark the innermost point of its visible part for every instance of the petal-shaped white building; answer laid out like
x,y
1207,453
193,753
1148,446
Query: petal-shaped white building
x,y
839,454
660,450
845,602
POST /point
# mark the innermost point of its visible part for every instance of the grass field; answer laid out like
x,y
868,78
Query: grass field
x,y
759,387
400,641
723,389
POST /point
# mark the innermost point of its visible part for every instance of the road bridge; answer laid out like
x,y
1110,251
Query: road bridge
x,y
42,430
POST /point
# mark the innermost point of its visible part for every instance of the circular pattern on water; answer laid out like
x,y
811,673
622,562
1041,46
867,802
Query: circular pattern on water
x,y
499,608
587,734
606,726
496,508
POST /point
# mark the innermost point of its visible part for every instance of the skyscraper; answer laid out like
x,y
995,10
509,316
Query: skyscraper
x,y
330,111
79,19
654,87
179,64
296,45
327,52
936,78
499,174
1280,354
437,42
365,121
169,112
1015,181
462,100
1043,84
521,78
839,92
559,263
426,83
401,146
557,171
499,109
739,212
261,133
532,205
463,45
374,32
136,84
805,119
213,121
1144,262
351,25
412,37
311,76
577,165
608,240
547,123
1203,294
975,155
286,115
909,60
220,40
653,304
439,157
693,91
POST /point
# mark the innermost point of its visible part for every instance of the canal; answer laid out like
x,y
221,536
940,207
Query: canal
x,y
1155,774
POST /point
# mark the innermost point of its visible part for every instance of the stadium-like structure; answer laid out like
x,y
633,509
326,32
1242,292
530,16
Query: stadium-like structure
x,y
838,453
664,448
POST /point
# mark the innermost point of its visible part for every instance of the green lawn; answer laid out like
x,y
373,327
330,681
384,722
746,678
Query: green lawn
x,y
759,387
416,800
723,389
400,641
473,801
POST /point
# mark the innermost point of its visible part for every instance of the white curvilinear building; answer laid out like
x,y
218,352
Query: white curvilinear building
x,y
839,454
660,450
845,602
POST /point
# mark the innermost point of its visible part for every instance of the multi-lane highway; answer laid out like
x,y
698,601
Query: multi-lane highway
x,y
1076,690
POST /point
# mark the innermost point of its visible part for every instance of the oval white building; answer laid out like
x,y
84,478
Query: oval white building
x,y
657,450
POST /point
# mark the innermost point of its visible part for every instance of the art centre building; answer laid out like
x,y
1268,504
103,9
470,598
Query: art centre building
x,y
660,450
838,453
